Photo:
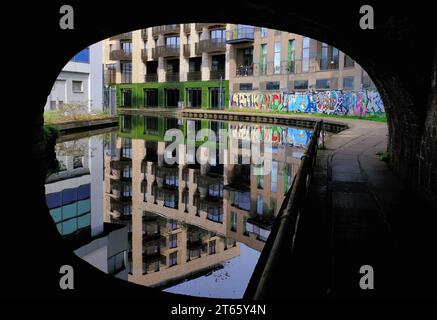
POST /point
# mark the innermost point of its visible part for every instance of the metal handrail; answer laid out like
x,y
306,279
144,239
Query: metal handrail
x,y
287,221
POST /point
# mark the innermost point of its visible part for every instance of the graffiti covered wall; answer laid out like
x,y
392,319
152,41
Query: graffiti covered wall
x,y
330,102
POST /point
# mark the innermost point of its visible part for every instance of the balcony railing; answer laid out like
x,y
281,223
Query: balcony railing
x,y
144,54
122,36
120,54
292,67
200,26
217,74
151,77
211,45
240,34
187,50
171,28
244,71
172,77
187,27
144,34
165,51
194,75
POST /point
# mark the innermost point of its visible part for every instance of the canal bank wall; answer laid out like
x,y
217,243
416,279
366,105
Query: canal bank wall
x,y
85,125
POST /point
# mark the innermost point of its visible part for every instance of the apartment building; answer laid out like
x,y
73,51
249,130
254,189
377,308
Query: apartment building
x,y
187,218
264,60
167,66
80,81
190,64
174,214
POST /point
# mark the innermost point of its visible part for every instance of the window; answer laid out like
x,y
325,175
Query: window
x,y
233,221
241,199
151,97
218,34
172,225
277,58
272,85
301,84
245,226
126,72
127,172
173,241
126,151
127,191
189,39
263,59
211,248
77,162
260,181
194,99
172,42
126,123
348,82
291,57
259,204
215,214
348,62
322,84
116,263
277,33
77,86
305,54
52,105
274,176
151,125
126,97
264,32
217,98
216,190
245,86
126,46
173,259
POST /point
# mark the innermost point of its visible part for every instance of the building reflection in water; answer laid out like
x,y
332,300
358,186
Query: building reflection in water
x,y
186,221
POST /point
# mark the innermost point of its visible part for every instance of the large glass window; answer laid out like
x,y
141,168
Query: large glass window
x,y
264,32
218,34
274,176
263,59
348,62
126,72
211,247
126,46
173,259
291,55
172,42
305,54
348,83
259,204
277,58
173,241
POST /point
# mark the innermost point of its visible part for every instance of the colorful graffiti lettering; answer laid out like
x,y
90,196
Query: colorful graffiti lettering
x,y
329,102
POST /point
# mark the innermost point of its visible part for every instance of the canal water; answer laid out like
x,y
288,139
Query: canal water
x,y
193,227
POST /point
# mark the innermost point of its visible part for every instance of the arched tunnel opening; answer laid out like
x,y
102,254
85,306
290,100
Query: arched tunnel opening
x,y
408,92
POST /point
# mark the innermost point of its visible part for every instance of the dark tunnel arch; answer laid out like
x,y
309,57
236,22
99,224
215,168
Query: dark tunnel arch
x,y
408,89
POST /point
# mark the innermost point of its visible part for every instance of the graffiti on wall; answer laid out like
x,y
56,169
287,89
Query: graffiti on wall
x,y
329,102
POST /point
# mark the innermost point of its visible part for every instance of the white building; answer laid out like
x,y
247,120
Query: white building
x,y
80,81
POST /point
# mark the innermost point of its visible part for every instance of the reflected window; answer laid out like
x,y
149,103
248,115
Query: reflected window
x,y
173,241
211,248
215,214
233,221
116,263
173,259
274,176
259,204
126,151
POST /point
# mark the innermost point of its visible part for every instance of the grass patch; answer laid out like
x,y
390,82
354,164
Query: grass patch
x,y
51,133
371,117
72,112
383,156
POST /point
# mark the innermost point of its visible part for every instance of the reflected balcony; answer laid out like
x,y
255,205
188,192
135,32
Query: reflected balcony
x,y
144,54
172,76
194,75
151,77
200,26
217,75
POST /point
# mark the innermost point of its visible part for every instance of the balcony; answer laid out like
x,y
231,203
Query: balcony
x,y
240,35
217,74
187,27
210,46
122,36
144,34
171,28
165,51
244,71
172,76
120,54
187,50
194,75
151,77
200,26
153,239
144,54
